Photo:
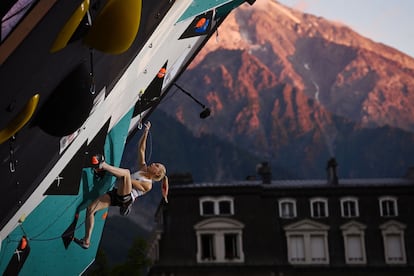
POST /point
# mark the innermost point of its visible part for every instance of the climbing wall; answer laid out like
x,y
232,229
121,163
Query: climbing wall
x,y
48,248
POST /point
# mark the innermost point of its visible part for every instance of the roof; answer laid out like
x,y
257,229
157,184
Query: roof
x,y
303,183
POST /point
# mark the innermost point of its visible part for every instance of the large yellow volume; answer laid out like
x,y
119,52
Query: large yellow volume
x,y
115,28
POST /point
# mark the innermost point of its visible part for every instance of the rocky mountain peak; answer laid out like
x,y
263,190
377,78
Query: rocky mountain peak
x,y
350,75
274,75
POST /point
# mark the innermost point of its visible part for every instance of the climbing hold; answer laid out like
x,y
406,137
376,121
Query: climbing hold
x,y
20,119
161,73
70,27
22,218
23,243
116,26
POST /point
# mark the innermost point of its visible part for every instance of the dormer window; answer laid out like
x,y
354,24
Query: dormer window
x,y
287,208
207,208
388,206
216,206
319,207
225,207
349,207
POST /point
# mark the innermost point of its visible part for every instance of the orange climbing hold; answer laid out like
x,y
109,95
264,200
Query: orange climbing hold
x,y
200,23
161,73
23,243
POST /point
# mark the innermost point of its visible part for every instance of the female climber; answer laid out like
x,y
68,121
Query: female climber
x,y
127,186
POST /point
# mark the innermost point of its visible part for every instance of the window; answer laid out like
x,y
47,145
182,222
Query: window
x,y
318,248
319,207
231,244
388,206
307,242
219,240
287,208
211,206
297,248
349,207
207,208
394,247
354,242
225,207
207,247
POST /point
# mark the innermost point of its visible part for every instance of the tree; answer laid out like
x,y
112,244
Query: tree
x,y
137,260
100,266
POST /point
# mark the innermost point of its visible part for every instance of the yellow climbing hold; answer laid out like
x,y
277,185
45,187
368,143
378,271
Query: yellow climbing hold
x,y
20,119
70,27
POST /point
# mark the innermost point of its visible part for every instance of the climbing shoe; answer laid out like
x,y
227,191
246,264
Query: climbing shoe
x,y
82,243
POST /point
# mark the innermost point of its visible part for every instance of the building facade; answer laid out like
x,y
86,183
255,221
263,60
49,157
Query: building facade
x,y
286,227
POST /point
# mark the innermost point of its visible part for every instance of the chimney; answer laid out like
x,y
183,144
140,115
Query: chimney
x,y
332,171
410,173
264,170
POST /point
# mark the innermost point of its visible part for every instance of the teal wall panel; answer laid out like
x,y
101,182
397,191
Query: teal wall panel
x,y
49,220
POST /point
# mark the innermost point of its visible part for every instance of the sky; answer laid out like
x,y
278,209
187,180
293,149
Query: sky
x,y
390,22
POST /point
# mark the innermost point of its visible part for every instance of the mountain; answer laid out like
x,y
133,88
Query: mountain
x,y
205,156
296,89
